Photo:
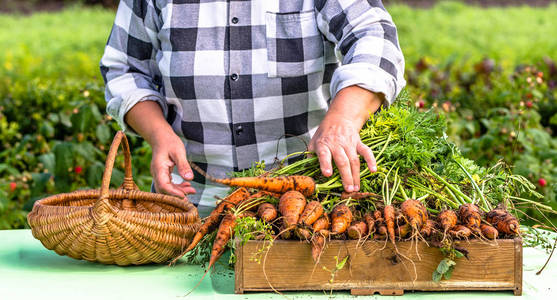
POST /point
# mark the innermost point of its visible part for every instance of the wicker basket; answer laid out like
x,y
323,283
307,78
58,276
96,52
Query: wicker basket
x,y
124,226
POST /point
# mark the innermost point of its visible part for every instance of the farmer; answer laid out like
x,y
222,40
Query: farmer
x,y
227,83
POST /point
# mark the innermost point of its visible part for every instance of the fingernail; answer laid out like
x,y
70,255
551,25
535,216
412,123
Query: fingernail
x,y
327,172
357,188
373,169
188,175
350,188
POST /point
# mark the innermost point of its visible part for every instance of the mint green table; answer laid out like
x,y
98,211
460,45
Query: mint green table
x,y
29,271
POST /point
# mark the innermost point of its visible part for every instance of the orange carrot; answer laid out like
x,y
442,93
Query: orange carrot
x,y
321,224
357,230
267,212
382,230
402,231
370,222
247,213
291,206
503,221
317,244
470,216
212,221
428,228
447,219
378,216
415,213
341,217
460,231
302,233
311,213
302,184
226,229
389,215
489,231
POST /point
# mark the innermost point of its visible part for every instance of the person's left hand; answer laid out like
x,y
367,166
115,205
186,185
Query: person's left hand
x,y
338,136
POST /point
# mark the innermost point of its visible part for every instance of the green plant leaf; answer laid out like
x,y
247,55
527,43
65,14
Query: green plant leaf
x,y
341,264
103,133
436,276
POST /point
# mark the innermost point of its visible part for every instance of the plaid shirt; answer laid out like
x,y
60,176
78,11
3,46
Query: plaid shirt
x,y
243,81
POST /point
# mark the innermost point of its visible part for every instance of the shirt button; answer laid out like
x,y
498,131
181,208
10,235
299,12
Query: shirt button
x,y
234,76
239,129
235,20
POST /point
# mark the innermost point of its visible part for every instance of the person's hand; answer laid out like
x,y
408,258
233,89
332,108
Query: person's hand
x,y
338,138
169,151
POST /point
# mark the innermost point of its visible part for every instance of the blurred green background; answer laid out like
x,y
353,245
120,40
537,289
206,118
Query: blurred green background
x,y
491,70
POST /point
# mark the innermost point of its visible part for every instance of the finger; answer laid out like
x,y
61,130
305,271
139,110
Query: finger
x,y
324,156
181,161
368,156
343,165
163,180
186,187
354,161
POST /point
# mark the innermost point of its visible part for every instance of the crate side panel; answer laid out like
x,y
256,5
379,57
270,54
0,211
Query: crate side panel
x,y
289,266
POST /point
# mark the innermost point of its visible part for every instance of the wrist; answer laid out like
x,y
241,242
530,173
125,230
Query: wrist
x,y
353,105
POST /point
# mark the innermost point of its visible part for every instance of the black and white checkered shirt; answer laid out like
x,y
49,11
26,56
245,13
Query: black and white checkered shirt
x,y
243,81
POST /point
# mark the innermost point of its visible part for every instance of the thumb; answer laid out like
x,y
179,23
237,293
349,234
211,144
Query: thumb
x,y
182,165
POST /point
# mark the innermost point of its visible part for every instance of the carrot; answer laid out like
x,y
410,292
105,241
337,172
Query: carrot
x,y
358,195
341,218
389,215
447,219
503,221
460,231
226,229
302,184
382,230
357,230
212,221
428,228
470,216
302,233
402,231
321,224
415,213
489,231
317,244
311,213
247,213
370,222
291,206
267,212
378,216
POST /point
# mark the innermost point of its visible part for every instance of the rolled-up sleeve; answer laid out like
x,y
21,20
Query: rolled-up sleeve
x,y
366,39
128,65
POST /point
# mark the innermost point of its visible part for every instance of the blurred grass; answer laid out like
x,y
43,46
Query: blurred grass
x,y
66,43
451,30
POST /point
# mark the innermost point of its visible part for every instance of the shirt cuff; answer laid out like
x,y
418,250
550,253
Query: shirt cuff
x,y
118,107
367,76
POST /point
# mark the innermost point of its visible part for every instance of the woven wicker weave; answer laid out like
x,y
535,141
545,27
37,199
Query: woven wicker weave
x,y
124,226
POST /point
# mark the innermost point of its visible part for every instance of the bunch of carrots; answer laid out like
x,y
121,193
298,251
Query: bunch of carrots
x,y
290,205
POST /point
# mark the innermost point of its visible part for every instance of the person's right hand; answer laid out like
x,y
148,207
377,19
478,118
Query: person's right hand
x,y
169,151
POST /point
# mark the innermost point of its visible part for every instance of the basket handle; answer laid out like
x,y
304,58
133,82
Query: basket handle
x,y
109,165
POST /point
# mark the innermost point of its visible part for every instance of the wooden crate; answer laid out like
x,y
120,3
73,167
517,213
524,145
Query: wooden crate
x,y
373,267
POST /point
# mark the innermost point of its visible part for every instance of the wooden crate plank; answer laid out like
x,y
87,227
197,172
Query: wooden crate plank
x,y
376,265
518,267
